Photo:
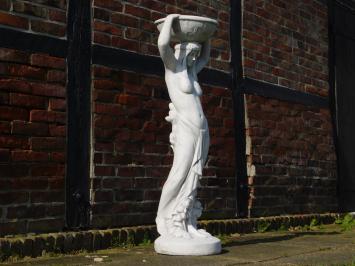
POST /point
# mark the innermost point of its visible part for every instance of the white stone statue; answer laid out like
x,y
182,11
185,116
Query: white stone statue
x,y
178,207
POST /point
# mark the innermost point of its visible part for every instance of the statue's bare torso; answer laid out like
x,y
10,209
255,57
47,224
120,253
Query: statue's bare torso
x,y
186,104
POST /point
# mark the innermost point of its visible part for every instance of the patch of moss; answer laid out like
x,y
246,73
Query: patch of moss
x,y
283,227
224,238
4,256
263,226
346,223
146,240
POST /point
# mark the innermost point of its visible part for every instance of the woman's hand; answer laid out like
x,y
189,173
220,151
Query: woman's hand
x,y
164,36
172,16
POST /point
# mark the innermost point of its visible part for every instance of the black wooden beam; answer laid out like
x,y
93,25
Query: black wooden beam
x,y
150,65
324,2
79,114
145,64
347,4
332,85
215,78
268,90
238,103
30,42
125,60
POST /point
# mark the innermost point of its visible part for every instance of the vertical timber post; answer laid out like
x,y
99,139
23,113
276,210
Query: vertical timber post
x,y
332,81
79,112
239,105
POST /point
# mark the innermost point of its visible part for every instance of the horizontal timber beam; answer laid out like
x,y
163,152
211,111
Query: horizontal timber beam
x,y
38,43
268,90
150,65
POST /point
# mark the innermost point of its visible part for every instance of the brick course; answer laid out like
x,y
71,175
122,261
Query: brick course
x,y
290,150
71,242
130,25
32,143
291,158
286,43
38,16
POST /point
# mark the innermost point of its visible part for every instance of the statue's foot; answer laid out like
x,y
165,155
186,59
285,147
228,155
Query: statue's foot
x,y
161,226
187,246
204,232
197,233
180,233
182,240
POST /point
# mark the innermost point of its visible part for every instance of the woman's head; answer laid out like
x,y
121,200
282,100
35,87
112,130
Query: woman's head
x,y
188,50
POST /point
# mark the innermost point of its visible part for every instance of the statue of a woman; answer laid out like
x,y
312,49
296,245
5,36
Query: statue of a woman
x,y
178,207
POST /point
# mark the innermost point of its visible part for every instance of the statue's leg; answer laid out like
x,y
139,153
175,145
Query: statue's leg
x,y
170,199
194,177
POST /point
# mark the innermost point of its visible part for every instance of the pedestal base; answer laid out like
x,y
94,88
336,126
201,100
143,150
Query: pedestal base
x,y
197,246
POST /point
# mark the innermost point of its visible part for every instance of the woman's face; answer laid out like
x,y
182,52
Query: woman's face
x,y
192,57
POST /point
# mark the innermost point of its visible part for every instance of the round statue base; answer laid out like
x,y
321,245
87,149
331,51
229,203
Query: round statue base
x,y
198,246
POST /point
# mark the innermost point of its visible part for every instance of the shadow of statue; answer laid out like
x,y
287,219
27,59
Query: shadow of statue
x,y
268,239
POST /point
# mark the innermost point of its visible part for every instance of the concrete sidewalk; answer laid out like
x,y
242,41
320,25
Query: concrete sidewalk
x,y
327,245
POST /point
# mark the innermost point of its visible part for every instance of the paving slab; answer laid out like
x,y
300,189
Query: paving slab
x,y
323,246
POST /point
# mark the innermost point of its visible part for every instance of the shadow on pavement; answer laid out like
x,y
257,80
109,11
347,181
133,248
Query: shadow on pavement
x,y
241,242
224,251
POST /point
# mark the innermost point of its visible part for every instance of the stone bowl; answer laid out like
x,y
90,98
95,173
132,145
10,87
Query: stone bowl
x,y
190,28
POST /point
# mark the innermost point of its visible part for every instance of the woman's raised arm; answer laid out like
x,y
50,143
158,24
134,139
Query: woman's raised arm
x,y
204,57
166,52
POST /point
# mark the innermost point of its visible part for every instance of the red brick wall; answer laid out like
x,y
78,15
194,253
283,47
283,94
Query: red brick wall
x,y
32,142
291,162
132,157
291,158
32,122
37,16
286,43
130,24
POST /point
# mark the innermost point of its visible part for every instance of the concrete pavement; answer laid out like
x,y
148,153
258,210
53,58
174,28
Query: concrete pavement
x,y
327,245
